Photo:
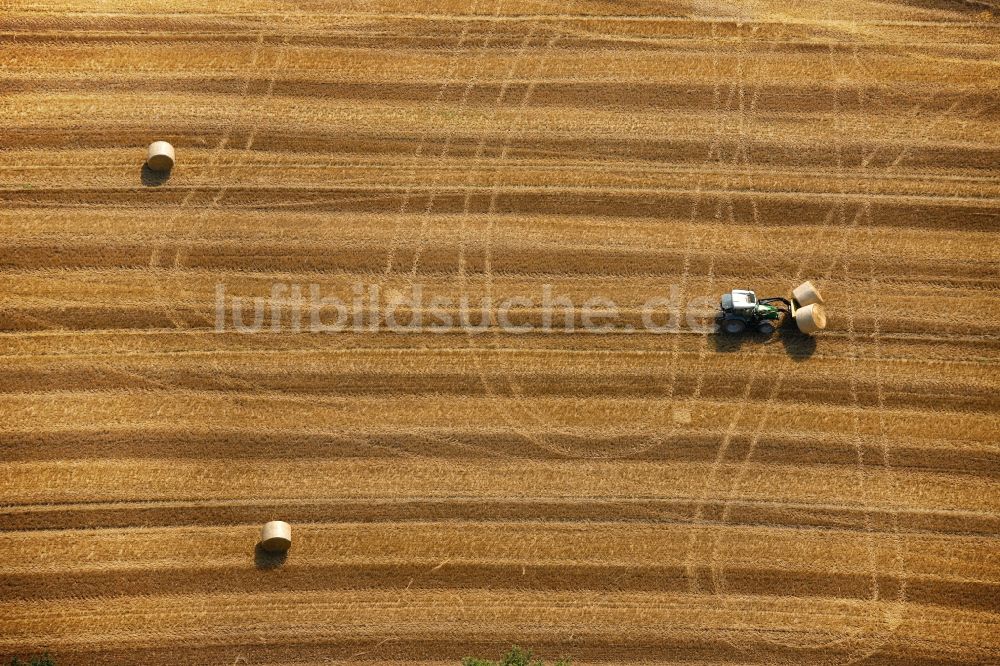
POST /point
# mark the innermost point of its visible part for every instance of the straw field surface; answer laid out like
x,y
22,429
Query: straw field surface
x,y
618,497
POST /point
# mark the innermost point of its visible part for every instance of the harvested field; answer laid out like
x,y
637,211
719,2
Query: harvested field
x,y
621,497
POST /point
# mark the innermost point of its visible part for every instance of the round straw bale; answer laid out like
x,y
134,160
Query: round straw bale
x,y
806,294
160,156
811,318
276,536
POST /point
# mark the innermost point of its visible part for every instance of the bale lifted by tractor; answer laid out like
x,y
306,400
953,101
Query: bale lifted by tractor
x,y
742,310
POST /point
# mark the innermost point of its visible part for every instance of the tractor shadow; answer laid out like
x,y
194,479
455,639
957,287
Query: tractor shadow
x,y
265,560
797,344
727,343
150,178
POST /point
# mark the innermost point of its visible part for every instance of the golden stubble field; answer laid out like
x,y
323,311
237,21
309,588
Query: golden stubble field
x,y
621,498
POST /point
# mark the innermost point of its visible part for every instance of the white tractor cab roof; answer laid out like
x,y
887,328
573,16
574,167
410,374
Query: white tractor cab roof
x,y
739,299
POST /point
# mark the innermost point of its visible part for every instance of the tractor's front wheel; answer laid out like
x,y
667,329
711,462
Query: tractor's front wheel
x,y
765,327
734,326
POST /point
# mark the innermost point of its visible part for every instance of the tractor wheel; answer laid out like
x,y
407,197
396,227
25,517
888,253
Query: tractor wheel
x,y
765,327
811,318
806,294
734,326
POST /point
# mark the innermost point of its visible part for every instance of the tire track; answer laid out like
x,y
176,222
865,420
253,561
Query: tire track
x,y
154,257
390,258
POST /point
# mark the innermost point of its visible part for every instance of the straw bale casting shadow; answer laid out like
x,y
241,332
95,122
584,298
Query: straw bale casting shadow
x,y
152,178
265,560
798,345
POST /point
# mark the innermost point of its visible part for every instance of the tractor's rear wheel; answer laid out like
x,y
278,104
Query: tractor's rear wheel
x,y
811,318
806,294
765,327
734,326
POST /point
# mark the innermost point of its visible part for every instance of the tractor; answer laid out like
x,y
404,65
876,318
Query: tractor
x,y
742,310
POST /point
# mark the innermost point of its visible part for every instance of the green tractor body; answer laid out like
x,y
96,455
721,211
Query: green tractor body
x,y
742,311
767,312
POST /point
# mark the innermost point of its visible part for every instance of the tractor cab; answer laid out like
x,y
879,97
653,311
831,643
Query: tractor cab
x,y
740,302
